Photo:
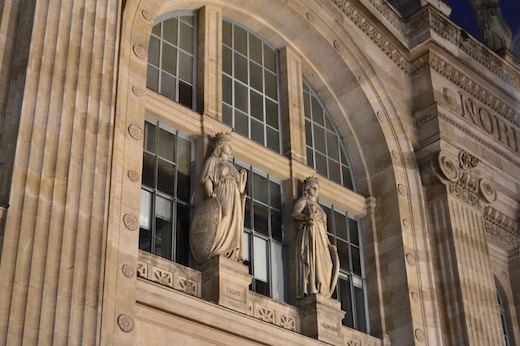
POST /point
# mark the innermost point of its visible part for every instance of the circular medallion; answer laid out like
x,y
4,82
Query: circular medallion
x,y
125,322
137,91
310,17
146,15
133,175
395,154
140,51
135,131
419,335
402,189
127,270
487,189
380,116
338,46
410,259
131,222
406,223
415,296
448,167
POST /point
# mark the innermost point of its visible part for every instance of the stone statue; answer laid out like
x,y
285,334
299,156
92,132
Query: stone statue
x,y
495,31
317,258
218,222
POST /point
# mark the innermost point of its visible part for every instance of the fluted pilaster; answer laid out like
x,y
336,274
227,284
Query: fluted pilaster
x,y
456,199
52,257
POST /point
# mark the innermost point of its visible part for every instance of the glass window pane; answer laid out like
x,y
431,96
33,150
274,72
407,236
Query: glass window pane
x,y
246,244
257,131
241,123
241,97
227,90
255,49
270,58
145,220
145,240
256,76
276,225
186,37
321,164
183,155
332,146
149,136
353,230
277,271
148,178
356,260
261,219
271,85
276,196
260,188
186,67
271,113
227,115
153,51
319,139
347,179
240,65
227,34
163,238
306,106
166,145
317,111
340,225
334,171
169,59
257,106
343,255
182,239
157,30
247,214
308,133
168,87
240,40
273,139
328,212
163,208
165,178
359,298
227,61
310,157
170,30
152,78
346,302
260,262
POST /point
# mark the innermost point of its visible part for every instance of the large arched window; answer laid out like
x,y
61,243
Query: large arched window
x,y
172,59
503,319
251,106
250,92
325,149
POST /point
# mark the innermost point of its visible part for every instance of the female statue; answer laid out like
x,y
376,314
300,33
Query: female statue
x,y
317,258
218,222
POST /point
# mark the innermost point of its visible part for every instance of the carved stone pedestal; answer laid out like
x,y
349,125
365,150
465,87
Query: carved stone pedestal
x,y
226,282
320,318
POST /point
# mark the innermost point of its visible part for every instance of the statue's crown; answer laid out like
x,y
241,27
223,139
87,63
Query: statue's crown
x,y
223,136
310,181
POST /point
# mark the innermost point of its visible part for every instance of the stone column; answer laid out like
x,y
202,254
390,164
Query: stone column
x,y
53,251
456,196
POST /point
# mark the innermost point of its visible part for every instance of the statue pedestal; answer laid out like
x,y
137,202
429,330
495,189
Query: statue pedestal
x,y
226,282
320,318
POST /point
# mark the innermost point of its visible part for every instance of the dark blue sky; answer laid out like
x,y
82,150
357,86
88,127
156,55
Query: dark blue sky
x,y
462,14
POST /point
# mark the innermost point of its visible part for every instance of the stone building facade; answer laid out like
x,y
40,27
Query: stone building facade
x,y
108,110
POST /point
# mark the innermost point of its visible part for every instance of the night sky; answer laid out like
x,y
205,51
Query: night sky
x,y
462,14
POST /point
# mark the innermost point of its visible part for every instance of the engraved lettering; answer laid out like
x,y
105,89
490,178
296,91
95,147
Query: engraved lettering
x,y
485,120
233,291
329,327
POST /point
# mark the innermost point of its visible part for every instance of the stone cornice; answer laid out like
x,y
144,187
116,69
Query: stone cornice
x,y
453,74
501,227
428,18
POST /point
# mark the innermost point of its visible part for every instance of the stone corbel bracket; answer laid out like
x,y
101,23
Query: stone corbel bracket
x,y
460,181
